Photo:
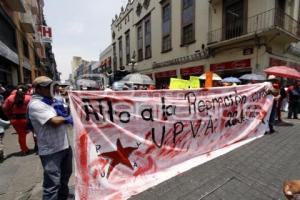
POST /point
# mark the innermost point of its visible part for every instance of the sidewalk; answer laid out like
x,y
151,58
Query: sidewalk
x,y
21,176
254,171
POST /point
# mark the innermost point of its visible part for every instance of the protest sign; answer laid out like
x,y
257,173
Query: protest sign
x,y
176,84
129,141
194,82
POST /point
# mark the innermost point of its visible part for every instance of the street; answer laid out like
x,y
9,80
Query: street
x,y
253,171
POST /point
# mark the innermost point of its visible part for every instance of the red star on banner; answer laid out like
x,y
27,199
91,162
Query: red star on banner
x,y
119,157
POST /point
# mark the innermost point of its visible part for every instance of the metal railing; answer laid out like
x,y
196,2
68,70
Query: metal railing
x,y
258,23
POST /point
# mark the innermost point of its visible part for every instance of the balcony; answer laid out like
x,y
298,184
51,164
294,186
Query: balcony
x,y
267,23
27,22
16,5
38,41
34,7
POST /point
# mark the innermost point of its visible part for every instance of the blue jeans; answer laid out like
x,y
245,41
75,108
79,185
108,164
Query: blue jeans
x,y
57,172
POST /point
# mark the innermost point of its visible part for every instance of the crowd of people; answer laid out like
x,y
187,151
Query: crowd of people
x,y
41,109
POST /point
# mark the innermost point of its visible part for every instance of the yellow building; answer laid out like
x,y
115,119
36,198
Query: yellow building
x,y
22,52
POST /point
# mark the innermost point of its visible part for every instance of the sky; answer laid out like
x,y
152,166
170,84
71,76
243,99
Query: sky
x,y
80,28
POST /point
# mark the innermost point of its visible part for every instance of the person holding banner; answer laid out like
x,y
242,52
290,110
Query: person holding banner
x,y
275,91
50,125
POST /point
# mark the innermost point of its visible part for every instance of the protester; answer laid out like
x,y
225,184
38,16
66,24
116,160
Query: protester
x,y
29,89
50,126
283,96
275,91
291,189
3,125
294,98
15,107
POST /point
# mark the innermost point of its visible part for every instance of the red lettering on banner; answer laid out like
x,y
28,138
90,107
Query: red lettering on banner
x,y
82,153
232,65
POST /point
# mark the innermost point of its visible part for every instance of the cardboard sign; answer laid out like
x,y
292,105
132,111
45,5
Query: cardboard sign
x,y
176,84
194,82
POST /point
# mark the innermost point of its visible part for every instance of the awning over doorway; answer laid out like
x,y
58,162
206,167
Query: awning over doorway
x,y
9,54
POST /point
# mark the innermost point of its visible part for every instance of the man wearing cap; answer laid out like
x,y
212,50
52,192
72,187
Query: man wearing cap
x,y
53,144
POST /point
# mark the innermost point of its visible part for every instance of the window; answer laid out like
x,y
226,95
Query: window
x,y
127,43
234,18
127,19
114,57
8,34
25,49
140,42
280,12
188,22
120,52
166,27
148,38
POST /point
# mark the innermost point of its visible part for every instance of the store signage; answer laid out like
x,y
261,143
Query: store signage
x,y
45,33
192,70
278,62
166,74
182,60
232,65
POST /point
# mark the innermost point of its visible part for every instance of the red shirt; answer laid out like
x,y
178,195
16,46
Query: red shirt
x,y
9,107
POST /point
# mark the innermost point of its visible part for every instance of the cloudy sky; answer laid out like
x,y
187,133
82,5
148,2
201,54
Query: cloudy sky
x,y
80,28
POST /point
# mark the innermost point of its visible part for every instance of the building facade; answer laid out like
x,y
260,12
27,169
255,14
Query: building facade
x,y
166,38
105,61
76,61
23,55
82,68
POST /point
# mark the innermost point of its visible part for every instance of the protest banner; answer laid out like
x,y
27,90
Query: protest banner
x,y
177,83
194,82
129,141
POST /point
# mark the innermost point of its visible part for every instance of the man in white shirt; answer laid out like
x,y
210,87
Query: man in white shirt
x,y
53,145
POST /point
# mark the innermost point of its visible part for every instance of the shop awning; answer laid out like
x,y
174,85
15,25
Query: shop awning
x,y
9,54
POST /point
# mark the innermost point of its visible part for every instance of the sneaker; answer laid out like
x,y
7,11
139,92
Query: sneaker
x,y
272,131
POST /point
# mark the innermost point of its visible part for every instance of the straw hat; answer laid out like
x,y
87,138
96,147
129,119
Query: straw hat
x,y
42,81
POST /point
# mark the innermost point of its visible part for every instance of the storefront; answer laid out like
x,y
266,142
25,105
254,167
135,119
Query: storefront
x,y
232,68
191,71
279,62
8,72
162,79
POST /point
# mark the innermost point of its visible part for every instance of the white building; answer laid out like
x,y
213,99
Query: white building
x,y
106,60
180,38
